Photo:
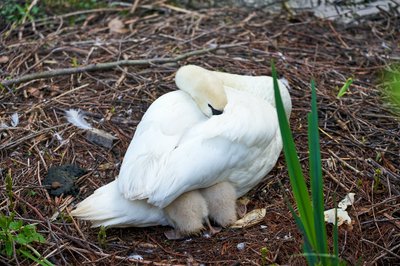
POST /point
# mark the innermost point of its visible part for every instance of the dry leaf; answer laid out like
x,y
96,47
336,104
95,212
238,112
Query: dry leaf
x,y
250,219
35,92
116,26
347,201
106,166
342,216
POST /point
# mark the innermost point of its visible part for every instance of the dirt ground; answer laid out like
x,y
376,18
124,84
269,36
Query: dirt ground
x,y
360,135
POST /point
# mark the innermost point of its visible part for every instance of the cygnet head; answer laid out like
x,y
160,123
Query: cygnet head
x,y
204,87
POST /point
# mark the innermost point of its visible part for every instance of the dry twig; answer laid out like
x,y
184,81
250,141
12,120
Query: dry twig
x,y
103,66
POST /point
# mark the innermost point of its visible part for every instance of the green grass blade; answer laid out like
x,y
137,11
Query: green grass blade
x,y
391,87
344,88
28,255
311,260
297,182
307,248
336,236
317,191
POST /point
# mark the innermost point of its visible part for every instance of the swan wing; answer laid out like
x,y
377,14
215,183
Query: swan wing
x,y
211,151
157,134
199,163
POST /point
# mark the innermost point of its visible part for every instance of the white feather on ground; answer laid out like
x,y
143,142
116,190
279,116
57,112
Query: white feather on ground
x,y
58,137
3,125
77,119
14,120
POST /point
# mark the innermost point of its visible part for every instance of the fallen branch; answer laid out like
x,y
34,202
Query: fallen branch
x,y
102,66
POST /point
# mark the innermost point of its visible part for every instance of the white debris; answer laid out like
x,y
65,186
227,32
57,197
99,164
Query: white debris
x,y
14,120
58,137
288,236
3,125
135,257
347,201
342,215
241,246
384,45
206,235
281,56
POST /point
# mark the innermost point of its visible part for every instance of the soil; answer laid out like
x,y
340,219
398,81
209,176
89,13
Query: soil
x,y
360,133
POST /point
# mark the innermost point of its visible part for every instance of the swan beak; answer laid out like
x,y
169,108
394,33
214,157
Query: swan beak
x,y
215,111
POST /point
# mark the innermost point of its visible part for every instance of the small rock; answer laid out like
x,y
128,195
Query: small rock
x,y
221,52
61,179
4,59
100,137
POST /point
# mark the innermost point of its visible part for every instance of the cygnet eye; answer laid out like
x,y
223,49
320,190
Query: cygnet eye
x,y
214,111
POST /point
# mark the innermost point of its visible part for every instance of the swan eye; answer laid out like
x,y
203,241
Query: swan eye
x,y
214,111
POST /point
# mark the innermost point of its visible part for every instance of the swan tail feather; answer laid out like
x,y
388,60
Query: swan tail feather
x,y
107,207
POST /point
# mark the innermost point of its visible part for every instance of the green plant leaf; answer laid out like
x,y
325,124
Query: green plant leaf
x,y
32,193
317,190
264,252
9,247
21,10
4,221
39,238
22,239
16,237
74,62
311,260
29,255
344,88
102,237
296,177
391,87
15,225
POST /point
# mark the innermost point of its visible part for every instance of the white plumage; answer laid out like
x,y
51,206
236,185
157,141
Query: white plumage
x,y
77,119
180,146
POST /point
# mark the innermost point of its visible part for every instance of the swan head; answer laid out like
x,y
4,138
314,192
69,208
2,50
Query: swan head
x,y
206,88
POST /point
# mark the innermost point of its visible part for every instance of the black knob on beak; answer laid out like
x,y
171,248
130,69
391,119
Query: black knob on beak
x,y
215,111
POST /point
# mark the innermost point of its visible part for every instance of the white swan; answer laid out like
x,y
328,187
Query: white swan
x,y
218,127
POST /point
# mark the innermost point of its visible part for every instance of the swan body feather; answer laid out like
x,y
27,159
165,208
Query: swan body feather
x,y
179,147
223,147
